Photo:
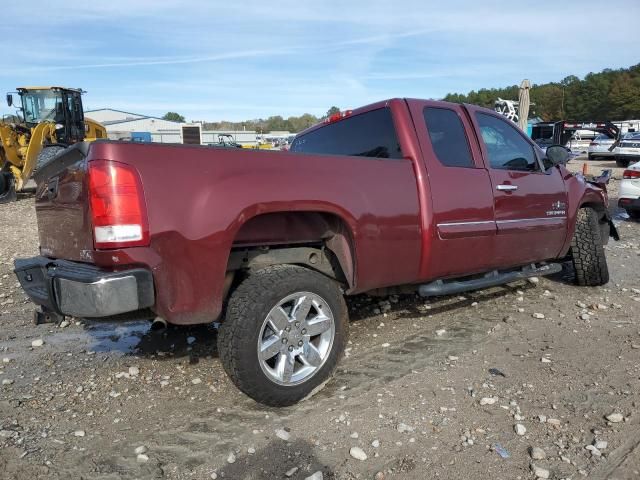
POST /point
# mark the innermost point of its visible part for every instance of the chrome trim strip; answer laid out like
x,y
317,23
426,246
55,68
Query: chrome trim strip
x,y
454,224
531,219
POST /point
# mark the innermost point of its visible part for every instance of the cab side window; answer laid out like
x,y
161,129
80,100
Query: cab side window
x,y
505,146
448,138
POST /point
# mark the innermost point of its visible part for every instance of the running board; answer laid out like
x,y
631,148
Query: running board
x,y
491,279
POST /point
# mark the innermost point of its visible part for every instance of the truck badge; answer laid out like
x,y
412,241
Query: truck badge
x,y
557,208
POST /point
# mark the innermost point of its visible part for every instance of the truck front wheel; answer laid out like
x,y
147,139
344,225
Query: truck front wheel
x,y
284,331
587,251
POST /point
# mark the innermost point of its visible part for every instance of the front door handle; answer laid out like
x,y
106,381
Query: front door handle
x,y
507,188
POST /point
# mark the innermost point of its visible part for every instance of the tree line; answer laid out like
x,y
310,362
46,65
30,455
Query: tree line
x,y
607,95
261,125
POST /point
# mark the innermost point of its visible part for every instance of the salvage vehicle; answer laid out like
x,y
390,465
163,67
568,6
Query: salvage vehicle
x,y
601,147
402,195
627,149
49,119
629,193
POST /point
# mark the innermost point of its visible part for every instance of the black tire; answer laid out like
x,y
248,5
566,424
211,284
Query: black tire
x,y
247,309
590,157
622,163
7,188
587,251
47,154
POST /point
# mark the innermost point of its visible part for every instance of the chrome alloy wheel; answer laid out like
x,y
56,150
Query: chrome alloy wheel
x,y
296,338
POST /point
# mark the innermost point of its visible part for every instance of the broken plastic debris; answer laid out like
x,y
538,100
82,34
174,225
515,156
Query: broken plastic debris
x,y
500,450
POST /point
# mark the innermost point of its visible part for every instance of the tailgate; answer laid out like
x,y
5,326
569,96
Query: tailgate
x,y
62,207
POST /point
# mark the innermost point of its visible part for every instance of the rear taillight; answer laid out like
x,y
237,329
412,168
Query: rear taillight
x,y
629,174
117,204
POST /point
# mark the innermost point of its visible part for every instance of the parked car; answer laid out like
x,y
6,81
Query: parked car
x,y
401,195
600,147
628,150
629,195
580,141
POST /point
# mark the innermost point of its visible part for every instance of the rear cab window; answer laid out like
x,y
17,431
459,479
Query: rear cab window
x,y
448,138
369,134
506,147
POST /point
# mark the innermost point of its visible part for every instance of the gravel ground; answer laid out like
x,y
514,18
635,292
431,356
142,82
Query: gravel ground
x,y
531,379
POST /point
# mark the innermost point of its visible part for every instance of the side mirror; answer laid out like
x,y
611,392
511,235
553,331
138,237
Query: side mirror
x,y
558,154
9,99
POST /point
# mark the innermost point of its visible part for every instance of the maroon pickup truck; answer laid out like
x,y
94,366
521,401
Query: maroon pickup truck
x,y
401,195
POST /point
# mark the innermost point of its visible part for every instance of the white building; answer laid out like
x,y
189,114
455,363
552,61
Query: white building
x,y
123,125
104,115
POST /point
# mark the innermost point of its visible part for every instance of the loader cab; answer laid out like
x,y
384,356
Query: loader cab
x,y
62,106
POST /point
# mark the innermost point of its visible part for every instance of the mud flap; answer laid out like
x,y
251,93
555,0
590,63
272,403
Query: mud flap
x,y
613,230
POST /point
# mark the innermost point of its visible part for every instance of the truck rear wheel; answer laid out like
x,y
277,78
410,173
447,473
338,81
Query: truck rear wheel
x,y
587,251
284,331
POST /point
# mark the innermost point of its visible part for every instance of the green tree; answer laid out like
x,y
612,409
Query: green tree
x,y
173,117
607,95
624,97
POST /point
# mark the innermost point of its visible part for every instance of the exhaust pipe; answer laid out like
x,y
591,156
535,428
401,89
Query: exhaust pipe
x,y
158,324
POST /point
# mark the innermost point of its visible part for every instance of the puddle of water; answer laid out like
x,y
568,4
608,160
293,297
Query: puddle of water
x,y
137,338
116,337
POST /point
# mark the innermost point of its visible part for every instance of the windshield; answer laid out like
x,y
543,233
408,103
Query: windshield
x,y
633,135
42,105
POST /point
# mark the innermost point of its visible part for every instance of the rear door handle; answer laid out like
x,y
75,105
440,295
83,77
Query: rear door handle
x,y
506,188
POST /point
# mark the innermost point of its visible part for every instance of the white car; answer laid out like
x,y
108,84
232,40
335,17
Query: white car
x,y
599,147
629,196
628,150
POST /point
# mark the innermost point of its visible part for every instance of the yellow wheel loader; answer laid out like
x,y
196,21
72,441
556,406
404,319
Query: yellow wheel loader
x,y
49,120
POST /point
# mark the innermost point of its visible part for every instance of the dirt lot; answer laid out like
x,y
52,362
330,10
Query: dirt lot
x,y
458,387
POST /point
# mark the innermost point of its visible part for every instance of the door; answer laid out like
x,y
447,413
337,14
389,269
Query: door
x,y
530,203
462,230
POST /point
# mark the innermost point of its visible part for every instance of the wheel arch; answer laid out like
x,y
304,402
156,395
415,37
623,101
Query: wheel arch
x,y
298,237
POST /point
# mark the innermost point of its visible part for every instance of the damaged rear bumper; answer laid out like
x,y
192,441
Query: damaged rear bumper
x,y
83,290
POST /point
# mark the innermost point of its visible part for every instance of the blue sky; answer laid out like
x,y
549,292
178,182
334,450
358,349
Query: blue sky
x,y
211,60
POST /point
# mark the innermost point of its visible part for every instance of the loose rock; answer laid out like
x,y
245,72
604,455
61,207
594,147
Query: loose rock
x,y
615,417
520,429
289,473
358,453
600,444
537,453
540,472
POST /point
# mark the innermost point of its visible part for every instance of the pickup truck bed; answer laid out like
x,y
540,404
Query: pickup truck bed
x,y
391,196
